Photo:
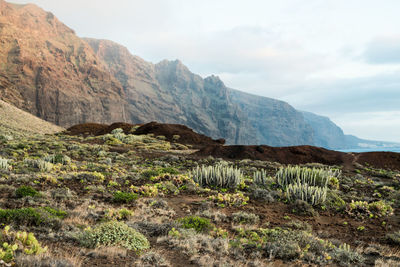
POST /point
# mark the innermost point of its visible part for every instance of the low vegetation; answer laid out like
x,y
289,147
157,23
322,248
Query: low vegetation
x,y
141,201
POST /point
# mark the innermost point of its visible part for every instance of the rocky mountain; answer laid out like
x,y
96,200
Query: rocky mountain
x,y
275,122
47,70
168,92
326,133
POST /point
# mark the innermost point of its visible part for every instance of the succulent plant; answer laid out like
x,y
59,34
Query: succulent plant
x,y
217,176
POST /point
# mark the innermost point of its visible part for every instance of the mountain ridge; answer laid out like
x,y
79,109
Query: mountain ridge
x,y
50,72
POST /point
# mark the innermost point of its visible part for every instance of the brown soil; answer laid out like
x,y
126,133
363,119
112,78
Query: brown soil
x,y
284,155
96,129
381,160
304,154
186,135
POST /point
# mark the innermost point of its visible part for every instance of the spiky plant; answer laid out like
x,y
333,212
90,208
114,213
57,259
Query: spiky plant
x,y
299,175
217,176
312,194
262,178
4,164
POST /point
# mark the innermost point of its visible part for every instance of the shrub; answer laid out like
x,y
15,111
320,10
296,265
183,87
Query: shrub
x,y
197,223
114,233
29,217
217,176
363,209
394,238
237,199
16,243
149,173
245,218
124,197
25,191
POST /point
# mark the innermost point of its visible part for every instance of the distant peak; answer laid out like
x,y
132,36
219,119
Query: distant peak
x,y
214,79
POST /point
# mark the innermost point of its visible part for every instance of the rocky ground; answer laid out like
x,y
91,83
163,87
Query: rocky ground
x,y
122,199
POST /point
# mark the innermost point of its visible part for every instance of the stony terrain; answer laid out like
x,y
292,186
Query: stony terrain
x,y
123,199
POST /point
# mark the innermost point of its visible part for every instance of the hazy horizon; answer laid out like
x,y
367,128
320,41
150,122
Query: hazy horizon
x,y
339,59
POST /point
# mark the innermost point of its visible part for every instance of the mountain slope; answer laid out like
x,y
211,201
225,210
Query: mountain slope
x,y
13,120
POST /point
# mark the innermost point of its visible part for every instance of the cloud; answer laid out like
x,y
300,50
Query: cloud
x,y
383,50
370,125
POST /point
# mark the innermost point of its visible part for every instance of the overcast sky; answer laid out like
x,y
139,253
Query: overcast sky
x,y
338,58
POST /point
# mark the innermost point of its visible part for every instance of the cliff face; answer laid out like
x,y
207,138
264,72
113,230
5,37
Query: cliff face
x,y
168,92
326,133
48,71
276,122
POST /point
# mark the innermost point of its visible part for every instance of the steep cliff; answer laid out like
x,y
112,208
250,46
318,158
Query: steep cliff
x,y
48,71
169,92
276,122
326,133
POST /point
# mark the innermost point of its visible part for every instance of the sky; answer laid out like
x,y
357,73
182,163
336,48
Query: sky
x,y
337,58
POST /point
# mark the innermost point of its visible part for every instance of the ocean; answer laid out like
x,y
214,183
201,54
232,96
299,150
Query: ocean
x,y
380,149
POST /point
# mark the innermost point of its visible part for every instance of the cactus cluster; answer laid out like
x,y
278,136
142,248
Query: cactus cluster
x,y
40,164
57,158
262,178
301,175
310,185
4,164
312,194
217,176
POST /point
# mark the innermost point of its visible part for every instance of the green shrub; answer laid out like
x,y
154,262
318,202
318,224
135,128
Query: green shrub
x,y
169,170
197,223
124,197
363,209
149,173
14,243
29,217
56,212
217,176
114,233
237,199
25,191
